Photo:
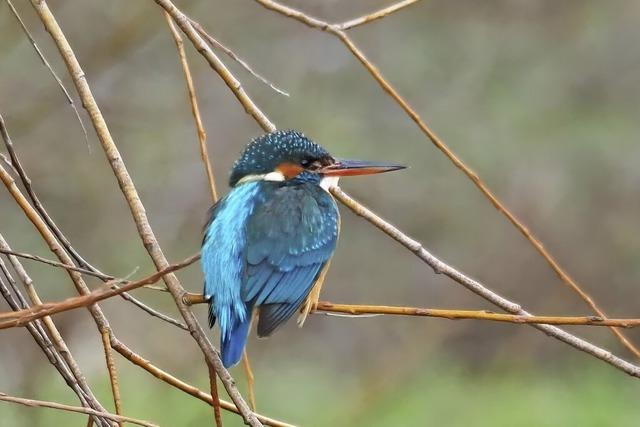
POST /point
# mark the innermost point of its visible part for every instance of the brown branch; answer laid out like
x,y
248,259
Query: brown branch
x,y
202,135
138,360
133,200
37,311
246,366
53,405
330,307
338,32
231,54
213,386
103,277
375,15
53,263
113,373
355,309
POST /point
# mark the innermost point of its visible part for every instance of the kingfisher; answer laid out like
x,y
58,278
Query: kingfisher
x,y
268,243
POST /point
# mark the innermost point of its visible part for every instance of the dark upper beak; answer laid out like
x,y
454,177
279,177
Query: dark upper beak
x,y
344,167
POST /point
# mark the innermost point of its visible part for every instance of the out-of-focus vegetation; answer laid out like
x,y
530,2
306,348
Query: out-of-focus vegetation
x,y
539,97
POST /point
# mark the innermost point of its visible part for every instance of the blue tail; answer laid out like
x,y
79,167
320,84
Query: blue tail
x,y
232,343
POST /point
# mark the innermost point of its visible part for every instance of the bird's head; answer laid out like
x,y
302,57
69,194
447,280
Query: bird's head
x,y
288,155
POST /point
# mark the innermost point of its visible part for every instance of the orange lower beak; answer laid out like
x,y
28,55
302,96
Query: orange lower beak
x,y
344,167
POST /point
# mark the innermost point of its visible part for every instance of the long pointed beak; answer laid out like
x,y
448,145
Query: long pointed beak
x,y
343,167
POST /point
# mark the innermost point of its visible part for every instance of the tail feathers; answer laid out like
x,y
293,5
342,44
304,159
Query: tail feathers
x,y
233,343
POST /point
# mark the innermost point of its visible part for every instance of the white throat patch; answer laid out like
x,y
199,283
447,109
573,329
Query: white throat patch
x,y
328,182
271,176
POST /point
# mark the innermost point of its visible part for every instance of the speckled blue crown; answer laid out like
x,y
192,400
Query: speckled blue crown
x,y
263,154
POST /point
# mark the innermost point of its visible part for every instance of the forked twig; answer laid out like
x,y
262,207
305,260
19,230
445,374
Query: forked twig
x,y
231,54
337,31
202,135
361,20
164,376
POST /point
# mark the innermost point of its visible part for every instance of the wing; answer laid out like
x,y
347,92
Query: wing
x,y
290,237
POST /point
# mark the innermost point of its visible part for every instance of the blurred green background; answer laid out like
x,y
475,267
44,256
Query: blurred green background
x,y
539,97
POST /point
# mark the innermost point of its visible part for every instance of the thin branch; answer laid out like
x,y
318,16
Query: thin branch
x,y
213,386
53,405
38,311
375,15
361,310
113,377
202,135
231,54
386,86
246,366
164,376
330,307
53,263
53,73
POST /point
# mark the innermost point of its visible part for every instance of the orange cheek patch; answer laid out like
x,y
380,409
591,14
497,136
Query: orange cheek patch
x,y
289,170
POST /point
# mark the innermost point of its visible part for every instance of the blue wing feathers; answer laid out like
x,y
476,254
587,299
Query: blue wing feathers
x,y
265,247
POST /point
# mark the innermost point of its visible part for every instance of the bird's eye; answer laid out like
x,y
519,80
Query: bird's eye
x,y
305,162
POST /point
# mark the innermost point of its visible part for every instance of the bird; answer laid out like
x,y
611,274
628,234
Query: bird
x,y
268,243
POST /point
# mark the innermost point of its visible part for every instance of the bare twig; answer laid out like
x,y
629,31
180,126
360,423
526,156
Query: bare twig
x,y
53,263
38,311
246,365
53,405
338,32
202,135
213,386
53,73
113,377
375,15
138,360
361,310
231,54
330,307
